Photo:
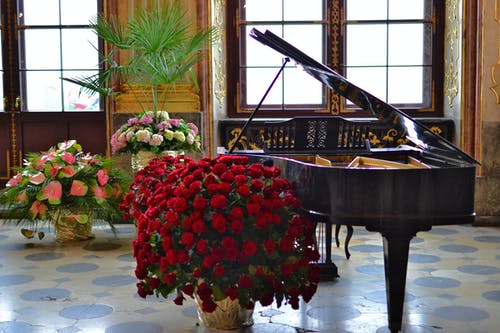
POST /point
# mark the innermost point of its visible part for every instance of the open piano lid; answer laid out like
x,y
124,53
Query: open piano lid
x,y
429,143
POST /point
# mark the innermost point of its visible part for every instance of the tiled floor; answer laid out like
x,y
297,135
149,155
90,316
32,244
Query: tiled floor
x,y
453,285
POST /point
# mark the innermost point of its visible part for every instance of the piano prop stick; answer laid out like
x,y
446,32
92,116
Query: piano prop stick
x,y
396,191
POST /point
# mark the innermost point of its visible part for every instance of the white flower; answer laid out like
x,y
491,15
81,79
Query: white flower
x,y
169,135
163,115
156,140
190,139
143,136
129,135
179,136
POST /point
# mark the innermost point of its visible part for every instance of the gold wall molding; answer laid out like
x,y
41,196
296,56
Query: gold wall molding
x,y
495,68
452,52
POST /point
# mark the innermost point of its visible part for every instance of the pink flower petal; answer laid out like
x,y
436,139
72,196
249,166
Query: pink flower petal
x,y
78,188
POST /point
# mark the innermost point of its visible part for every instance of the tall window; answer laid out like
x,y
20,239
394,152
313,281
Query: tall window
x,y
53,41
391,48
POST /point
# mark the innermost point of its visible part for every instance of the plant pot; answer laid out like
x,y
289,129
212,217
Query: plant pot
x,y
67,230
228,315
141,159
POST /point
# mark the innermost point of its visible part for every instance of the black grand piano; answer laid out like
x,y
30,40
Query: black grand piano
x,y
422,181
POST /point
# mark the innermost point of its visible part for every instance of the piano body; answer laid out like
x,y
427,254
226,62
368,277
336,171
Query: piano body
x,y
396,191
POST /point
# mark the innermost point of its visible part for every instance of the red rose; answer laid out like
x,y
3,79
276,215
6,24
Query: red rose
x,y
208,262
267,299
219,270
169,278
218,201
257,185
198,226
208,306
259,271
219,223
204,291
197,273
240,179
179,300
236,213
199,203
253,209
181,205
187,239
219,169
231,253
231,292
255,171
227,176
243,190
202,247
245,281
171,256
229,242
236,227
269,245
286,244
188,289
250,248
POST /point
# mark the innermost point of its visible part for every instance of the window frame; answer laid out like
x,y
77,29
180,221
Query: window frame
x,y
335,44
14,55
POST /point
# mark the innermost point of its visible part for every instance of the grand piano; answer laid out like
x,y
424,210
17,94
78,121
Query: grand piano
x,y
420,182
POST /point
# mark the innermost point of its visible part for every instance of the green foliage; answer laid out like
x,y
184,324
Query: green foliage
x,y
66,178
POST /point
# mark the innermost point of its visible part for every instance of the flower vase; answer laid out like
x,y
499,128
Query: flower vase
x,y
228,315
141,159
67,230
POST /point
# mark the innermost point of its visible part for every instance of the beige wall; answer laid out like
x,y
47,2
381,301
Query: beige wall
x,y
488,183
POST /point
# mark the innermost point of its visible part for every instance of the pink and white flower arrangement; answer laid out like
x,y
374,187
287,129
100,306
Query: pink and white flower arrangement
x,y
64,177
155,131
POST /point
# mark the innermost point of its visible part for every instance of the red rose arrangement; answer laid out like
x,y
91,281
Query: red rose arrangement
x,y
218,228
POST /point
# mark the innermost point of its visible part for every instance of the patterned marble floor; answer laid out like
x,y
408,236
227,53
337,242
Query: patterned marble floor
x,y
453,285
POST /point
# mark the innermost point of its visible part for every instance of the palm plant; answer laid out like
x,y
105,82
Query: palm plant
x,y
159,49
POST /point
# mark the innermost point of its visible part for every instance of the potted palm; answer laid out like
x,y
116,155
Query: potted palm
x,y
150,53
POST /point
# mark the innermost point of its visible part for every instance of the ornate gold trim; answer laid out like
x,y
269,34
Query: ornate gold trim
x,y
452,53
495,68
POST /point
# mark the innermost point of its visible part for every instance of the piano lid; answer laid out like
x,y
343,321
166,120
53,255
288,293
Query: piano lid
x,y
428,142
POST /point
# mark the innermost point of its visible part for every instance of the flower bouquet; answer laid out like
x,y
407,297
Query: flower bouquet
x,y
222,229
154,131
64,185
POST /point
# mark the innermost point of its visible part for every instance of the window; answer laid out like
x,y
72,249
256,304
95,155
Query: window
x,y
391,48
54,41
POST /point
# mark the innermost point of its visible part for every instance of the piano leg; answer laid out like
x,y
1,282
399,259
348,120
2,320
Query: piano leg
x,y
396,249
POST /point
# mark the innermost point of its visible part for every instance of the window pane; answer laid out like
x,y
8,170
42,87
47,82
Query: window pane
x,y
406,9
372,80
257,54
78,12
367,9
406,44
42,49
307,38
43,91
296,11
44,12
366,45
301,88
261,10
75,99
406,84
257,82
80,47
